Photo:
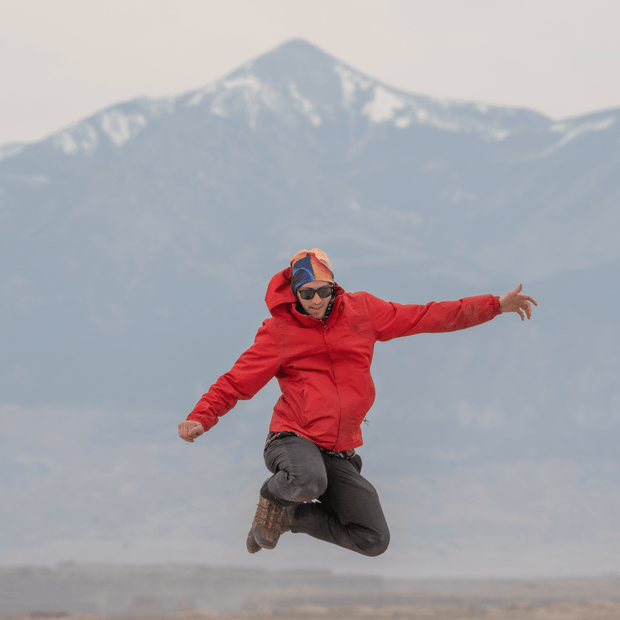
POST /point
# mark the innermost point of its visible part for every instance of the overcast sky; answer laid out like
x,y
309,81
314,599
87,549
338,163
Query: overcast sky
x,y
63,60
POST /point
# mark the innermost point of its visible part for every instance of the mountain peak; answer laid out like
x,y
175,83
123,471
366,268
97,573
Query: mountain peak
x,y
298,46
294,54
297,61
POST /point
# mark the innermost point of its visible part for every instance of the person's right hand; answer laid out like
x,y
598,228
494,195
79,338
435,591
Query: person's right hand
x,y
190,430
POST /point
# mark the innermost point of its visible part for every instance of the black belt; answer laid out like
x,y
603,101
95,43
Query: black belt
x,y
345,454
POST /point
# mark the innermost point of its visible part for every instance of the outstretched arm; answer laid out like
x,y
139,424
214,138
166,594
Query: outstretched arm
x,y
251,372
513,301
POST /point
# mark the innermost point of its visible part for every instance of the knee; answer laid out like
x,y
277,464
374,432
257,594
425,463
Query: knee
x,y
375,544
305,489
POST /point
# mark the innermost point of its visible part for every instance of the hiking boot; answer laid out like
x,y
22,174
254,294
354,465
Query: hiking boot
x,y
251,544
270,521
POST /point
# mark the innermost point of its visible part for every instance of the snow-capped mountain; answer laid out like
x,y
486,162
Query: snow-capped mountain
x,y
300,85
136,245
389,162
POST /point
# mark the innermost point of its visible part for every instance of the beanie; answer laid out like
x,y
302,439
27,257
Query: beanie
x,y
308,266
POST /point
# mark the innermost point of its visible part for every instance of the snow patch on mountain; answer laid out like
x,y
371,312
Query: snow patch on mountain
x,y
576,131
252,91
78,137
121,127
305,106
350,82
156,107
197,97
250,82
383,106
118,126
217,105
499,134
386,105
10,150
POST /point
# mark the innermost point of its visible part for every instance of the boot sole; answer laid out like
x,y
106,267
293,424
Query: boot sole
x,y
263,542
251,543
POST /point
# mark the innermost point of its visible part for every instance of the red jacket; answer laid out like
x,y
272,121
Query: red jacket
x,y
323,369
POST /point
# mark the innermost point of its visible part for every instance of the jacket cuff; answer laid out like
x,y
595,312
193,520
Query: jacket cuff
x,y
496,304
207,422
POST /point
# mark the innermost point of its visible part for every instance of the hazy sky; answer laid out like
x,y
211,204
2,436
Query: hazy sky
x,y
63,60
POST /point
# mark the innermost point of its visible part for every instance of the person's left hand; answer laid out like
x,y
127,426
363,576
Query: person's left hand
x,y
513,301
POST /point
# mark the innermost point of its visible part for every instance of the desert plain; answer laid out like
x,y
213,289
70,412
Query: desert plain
x,y
545,599
558,611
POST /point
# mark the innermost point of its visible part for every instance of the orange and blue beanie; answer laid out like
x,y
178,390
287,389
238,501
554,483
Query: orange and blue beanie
x,y
308,266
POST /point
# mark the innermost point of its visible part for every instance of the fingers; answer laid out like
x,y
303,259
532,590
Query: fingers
x,y
526,298
190,429
526,302
185,436
513,301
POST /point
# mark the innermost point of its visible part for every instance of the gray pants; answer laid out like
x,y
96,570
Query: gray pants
x,y
346,512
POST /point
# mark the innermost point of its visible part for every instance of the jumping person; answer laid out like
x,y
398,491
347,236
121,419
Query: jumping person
x,y
319,344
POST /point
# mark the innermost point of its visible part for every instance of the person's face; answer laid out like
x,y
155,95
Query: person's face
x,y
316,306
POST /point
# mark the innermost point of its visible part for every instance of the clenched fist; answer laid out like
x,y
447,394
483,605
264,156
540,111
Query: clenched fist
x,y
190,430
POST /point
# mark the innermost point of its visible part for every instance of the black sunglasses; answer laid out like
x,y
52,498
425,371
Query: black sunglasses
x,y
308,293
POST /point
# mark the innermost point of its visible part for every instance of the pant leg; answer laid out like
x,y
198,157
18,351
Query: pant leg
x,y
348,513
298,471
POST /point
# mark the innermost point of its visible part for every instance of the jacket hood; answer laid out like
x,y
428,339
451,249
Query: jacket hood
x,y
280,298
